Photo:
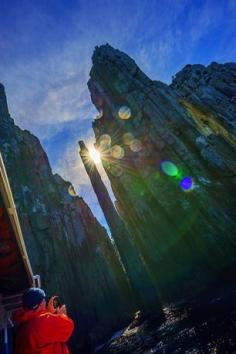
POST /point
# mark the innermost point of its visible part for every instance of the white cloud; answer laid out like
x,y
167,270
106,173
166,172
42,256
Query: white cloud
x,y
50,88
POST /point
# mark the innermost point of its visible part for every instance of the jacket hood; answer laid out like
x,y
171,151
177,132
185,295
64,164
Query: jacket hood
x,y
22,315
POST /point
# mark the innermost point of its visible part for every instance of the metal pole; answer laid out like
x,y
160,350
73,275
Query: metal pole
x,y
37,281
6,348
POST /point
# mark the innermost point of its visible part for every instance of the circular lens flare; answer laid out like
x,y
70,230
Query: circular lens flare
x,y
116,171
117,152
186,184
95,155
105,141
128,138
169,168
136,145
124,112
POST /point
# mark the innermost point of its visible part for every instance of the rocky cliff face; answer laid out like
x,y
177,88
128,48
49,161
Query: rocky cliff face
x,y
211,88
66,245
145,295
169,154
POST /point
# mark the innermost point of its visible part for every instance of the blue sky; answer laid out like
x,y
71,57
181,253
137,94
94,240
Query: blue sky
x,y
45,58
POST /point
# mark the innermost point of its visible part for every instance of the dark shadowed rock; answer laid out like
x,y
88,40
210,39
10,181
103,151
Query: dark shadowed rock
x,y
3,102
66,244
144,293
212,88
204,325
176,177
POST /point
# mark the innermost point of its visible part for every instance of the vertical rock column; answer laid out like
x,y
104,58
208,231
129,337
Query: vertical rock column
x,y
3,102
175,161
66,244
142,285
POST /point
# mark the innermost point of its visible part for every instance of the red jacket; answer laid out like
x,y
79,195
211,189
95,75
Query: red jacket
x,y
42,332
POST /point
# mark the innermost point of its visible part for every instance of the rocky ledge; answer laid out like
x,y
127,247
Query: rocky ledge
x,y
203,325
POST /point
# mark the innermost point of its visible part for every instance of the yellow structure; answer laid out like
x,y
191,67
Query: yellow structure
x,y
15,269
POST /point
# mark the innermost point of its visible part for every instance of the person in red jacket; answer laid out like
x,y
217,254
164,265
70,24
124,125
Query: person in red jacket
x,y
42,329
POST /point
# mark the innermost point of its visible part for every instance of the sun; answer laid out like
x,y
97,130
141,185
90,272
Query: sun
x,y
95,155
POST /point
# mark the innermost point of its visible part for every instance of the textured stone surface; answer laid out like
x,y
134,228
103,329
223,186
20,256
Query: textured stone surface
x,y
213,88
144,293
204,325
66,245
186,239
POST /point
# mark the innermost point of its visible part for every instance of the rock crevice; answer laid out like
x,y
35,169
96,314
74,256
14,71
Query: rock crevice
x,y
172,173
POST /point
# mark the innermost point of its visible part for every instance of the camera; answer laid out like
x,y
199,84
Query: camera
x,y
56,302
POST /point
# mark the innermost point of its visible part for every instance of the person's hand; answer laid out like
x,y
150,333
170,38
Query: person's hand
x,y
50,307
62,310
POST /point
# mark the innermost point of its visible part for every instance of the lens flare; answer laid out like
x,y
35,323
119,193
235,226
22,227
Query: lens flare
x,y
136,145
117,152
124,112
186,183
95,155
105,141
128,138
156,175
169,168
72,191
116,171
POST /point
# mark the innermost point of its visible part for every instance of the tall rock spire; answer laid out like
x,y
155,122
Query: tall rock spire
x,y
143,288
3,102
100,189
66,244
176,158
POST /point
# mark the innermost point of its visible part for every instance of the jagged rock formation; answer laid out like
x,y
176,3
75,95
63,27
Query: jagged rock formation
x,y
204,325
66,245
208,94
174,173
144,292
211,88
169,154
